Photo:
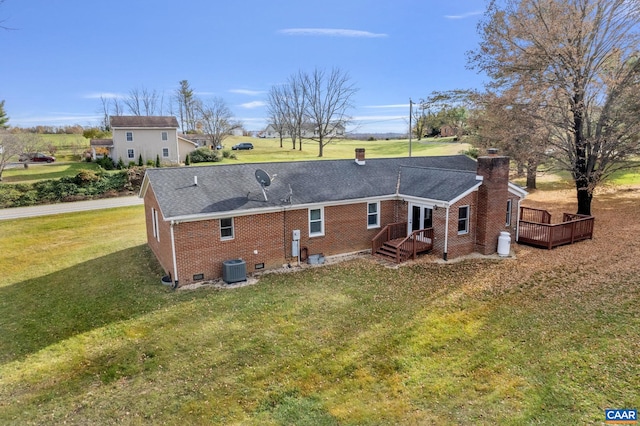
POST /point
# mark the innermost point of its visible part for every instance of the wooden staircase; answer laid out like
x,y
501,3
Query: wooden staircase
x,y
392,243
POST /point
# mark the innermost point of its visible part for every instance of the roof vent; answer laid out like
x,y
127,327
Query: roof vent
x,y
360,156
492,151
195,181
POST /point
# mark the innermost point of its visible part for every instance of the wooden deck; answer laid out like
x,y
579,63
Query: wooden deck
x,y
393,243
537,230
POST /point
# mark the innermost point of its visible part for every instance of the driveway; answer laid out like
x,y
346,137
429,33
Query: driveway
x,y
77,206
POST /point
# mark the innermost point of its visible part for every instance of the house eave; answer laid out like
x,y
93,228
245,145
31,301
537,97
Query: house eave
x,y
274,209
517,190
465,193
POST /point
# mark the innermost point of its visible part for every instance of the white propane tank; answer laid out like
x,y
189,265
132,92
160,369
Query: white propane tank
x,y
504,244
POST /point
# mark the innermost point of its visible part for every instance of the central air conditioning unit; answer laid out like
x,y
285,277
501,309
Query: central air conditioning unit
x,y
234,271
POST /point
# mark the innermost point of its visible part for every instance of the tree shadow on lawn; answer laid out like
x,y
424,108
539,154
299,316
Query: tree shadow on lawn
x,y
41,311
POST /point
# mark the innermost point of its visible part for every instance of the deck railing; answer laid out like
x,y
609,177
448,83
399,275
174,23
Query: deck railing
x,y
419,241
389,232
529,214
574,227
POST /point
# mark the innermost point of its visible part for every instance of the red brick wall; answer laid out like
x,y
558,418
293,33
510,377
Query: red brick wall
x,y
161,248
463,244
492,202
201,251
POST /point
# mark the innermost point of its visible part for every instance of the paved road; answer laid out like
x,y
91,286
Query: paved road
x,y
78,206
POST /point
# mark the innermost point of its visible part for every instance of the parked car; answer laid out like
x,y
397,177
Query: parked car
x,y
37,157
243,145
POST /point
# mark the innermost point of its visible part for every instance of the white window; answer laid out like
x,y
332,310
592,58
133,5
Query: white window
x,y
131,154
129,136
463,220
316,222
165,136
373,215
155,224
165,152
226,228
508,221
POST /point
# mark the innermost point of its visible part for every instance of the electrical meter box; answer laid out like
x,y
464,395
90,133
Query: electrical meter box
x,y
296,235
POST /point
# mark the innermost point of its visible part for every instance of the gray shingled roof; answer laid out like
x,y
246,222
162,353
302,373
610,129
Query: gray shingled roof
x,y
225,188
133,121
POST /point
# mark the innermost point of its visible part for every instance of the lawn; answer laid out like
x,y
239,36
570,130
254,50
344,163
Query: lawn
x,y
37,172
90,336
269,149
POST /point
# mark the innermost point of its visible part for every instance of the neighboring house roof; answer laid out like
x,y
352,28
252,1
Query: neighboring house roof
x,y
137,121
106,143
233,188
194,142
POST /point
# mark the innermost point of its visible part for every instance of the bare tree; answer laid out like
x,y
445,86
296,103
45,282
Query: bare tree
x,y
296,106
584,54
328,99
151,101
117,107
133,102
277,110
217,120
142,101
2,26
104,112
12,145
512,123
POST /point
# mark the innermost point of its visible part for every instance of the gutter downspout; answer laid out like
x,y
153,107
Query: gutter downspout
x,y
173,255
518,221
446,234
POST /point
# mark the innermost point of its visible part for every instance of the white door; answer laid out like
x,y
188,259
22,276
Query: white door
x,y
420,217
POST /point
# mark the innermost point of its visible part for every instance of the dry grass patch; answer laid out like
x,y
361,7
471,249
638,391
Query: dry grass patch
x,y
548,338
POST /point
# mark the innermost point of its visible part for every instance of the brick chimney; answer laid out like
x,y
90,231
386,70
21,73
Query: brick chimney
x,y
492,200
360,156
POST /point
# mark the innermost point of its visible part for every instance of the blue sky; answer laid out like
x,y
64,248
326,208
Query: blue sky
x,y
61,55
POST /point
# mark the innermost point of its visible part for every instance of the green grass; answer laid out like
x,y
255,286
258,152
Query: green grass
x,y
267,150
94,338
37,172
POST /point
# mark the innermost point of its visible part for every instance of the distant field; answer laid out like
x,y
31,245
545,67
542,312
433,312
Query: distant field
x,y
267,150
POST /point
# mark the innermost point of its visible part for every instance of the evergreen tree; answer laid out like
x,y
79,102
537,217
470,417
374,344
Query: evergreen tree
x,y
4,119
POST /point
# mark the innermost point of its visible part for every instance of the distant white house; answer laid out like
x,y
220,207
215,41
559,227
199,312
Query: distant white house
x,y
148,136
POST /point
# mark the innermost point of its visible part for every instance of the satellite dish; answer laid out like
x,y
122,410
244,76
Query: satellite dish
x,y
263,178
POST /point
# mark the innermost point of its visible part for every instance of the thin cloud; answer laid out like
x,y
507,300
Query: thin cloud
x,y
464,15
105,95
254,104
388,106
330,32
56,119
246,92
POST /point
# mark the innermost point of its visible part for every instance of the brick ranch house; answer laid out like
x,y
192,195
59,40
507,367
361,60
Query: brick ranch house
x,y
199,217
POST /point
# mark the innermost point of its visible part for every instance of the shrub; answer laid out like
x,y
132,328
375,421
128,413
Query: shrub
x,y
226,153
157,160
204,155
472,152
187,160
140,163
151,163
106,163
120,164
86,177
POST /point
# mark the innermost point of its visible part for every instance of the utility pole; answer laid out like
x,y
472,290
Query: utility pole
x,y
410,123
